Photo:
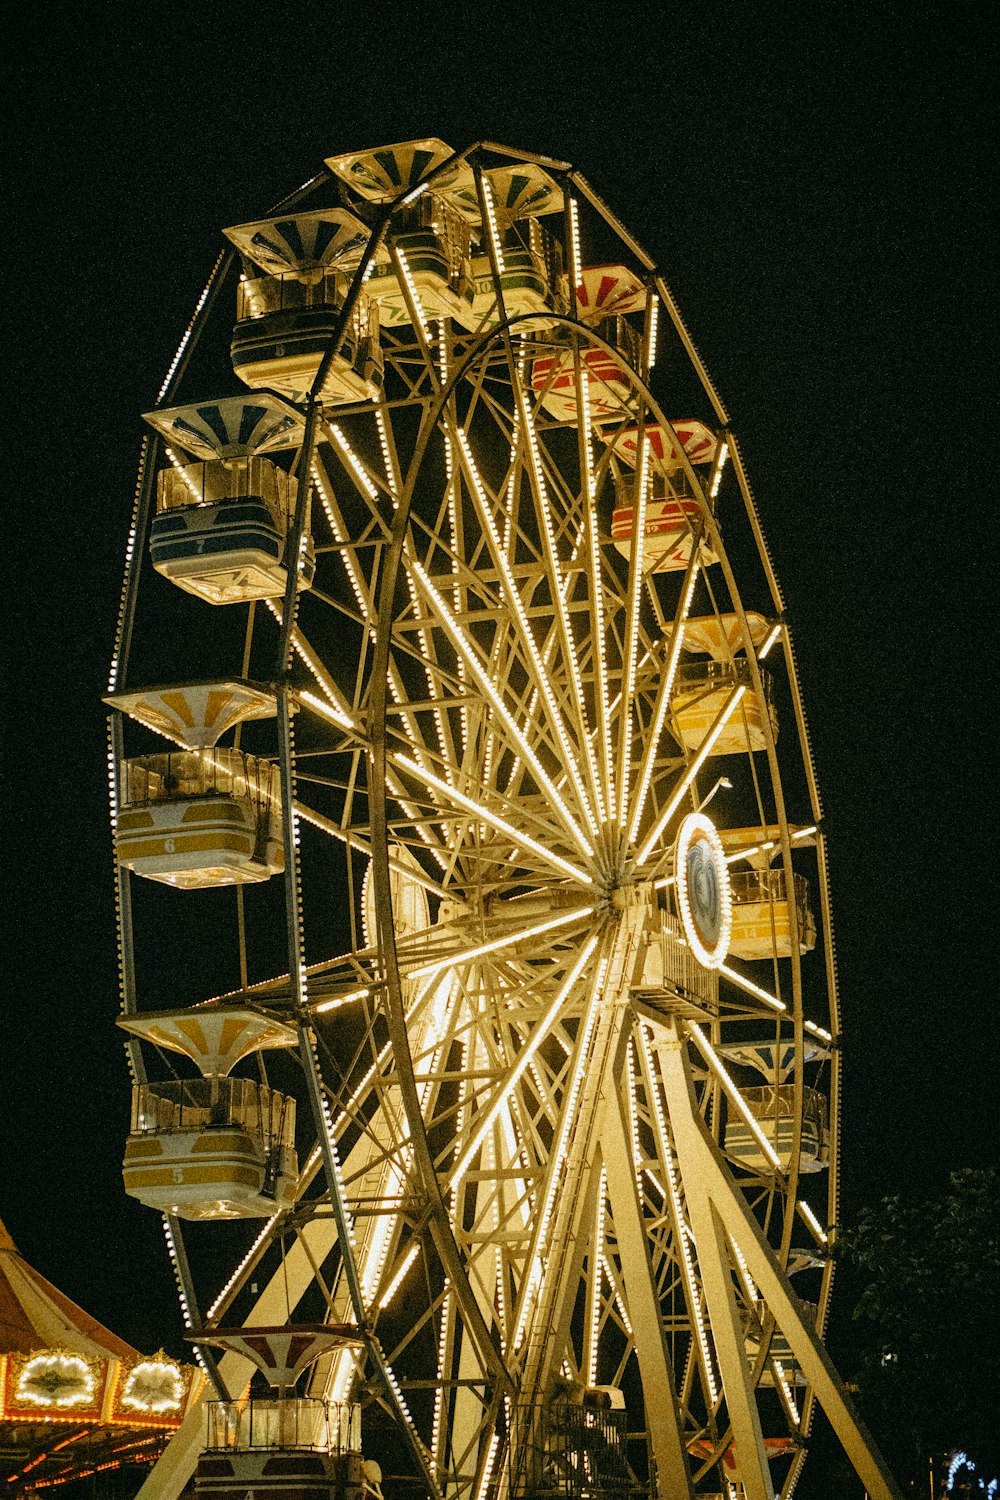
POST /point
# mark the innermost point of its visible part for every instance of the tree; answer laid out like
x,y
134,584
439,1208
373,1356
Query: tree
x,y
926,1283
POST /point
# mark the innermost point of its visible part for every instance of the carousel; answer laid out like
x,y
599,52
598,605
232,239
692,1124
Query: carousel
x,y
76,1402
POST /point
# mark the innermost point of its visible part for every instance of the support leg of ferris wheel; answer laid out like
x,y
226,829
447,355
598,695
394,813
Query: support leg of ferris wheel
x,y
670,1463
720,1216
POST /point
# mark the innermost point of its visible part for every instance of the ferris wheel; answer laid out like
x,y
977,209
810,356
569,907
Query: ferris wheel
x,y
454,697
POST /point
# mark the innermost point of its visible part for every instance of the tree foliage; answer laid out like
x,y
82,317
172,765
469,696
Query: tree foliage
x,y
926,1282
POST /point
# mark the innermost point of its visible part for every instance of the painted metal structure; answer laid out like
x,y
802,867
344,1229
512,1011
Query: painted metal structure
x,y
529,1065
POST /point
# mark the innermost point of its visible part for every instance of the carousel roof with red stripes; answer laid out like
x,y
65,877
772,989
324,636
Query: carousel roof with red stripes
x,y
75,1398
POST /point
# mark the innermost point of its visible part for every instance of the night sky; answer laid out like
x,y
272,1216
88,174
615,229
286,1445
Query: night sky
x,y
815,184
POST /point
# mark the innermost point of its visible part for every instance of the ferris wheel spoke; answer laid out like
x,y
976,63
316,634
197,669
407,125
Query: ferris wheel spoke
x,y
663,693
465,649
526,636
482,1122
701,1354
558,584
679,792
523,843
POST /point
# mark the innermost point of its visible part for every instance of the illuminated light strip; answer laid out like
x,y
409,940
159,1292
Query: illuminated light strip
x,y
246,1259
485,1482
683,1234
340,537
633,1113
619,1299
812,1221
598,642
130,545
557,1156
514,597
339,1000
507,829
353,461
455,528
748,1281
392,477
427,645
172,1250
772,637
725,715
801,833
502,942
491,221
654,319
495,1164
379,1237
720,464
786,1391
538,1036
465,651
189,330
594,1311
514,450
540,495
343,1372
333,1156
743,983
666,688
328,711
185,476
574,244
444,1342
735,1097
411,287
632,627
817,1031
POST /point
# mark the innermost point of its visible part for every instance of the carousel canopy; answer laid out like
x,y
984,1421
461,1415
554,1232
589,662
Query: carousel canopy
x,y
35,1315
75,1399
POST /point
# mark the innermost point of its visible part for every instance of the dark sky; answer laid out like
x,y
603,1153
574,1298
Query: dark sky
x,y
815,183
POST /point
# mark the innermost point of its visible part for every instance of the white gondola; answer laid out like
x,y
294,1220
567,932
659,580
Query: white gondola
x,y
383,173
212,1147
223,515
703,690
762,907
285,1444
434,247
529,263
290,306
782,1366
605,296
200,818
672,520
762,914
673,513
771,1106
432,233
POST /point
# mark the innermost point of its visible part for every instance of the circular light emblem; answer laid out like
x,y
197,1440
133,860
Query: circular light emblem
x,y
703,890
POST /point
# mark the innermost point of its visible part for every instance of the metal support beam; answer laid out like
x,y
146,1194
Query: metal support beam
x,y
672,1474
708,1184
